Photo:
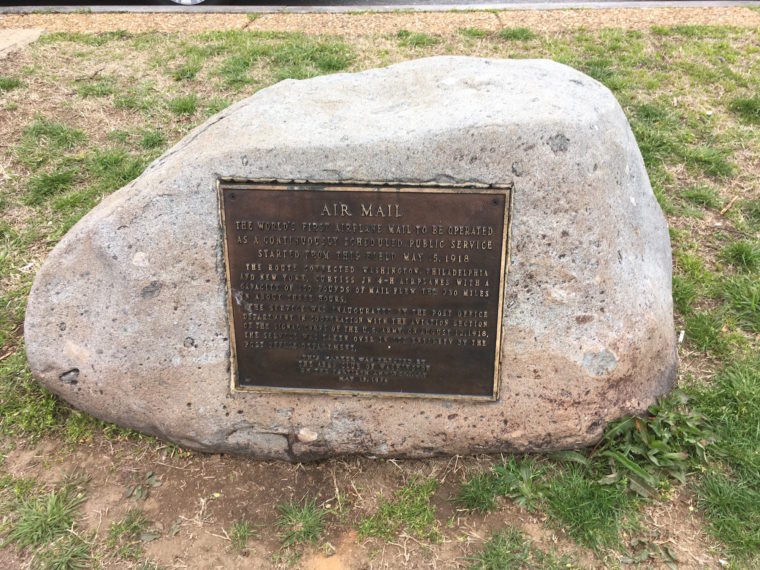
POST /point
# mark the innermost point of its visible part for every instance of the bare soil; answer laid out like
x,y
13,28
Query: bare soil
x,y
201,496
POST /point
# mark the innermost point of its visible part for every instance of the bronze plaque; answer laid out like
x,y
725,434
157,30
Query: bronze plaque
x,y
370,289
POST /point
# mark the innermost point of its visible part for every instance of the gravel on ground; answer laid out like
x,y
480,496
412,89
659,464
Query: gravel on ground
x,y
355,24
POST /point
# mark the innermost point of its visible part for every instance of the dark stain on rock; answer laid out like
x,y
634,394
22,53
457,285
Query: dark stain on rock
x,y
152,290
558,143
593,426
583,319
70,376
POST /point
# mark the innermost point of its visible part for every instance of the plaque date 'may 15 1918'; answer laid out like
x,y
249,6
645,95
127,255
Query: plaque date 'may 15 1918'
x,y
392,290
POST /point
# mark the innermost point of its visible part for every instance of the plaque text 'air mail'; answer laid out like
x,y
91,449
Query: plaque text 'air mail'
x,y
384,289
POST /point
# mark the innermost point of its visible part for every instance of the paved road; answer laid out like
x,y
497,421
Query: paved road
x,y
343,5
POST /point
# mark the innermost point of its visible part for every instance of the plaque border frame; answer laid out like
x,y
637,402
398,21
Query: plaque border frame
x,y
363,186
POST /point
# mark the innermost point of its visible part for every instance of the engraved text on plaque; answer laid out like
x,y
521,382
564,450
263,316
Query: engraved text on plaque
x,y
365,289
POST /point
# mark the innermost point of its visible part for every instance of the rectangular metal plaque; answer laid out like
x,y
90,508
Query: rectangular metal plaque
x,y
371,289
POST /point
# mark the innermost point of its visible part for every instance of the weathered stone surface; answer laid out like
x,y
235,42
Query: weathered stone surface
x,y
128,319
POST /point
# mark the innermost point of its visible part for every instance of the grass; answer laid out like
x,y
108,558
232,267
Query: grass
x,y
8,83
288,56
516,34
46,184
742,295
667,443
42,519
704,332
410,510
25,408
183,104
188,70
125,535
691,100
743,254
473,33
44,140
732,509
69,552
101,87
152,138
684,294
409,39
239,534
589,512
300,522
511,549
747,109
520,479
702,195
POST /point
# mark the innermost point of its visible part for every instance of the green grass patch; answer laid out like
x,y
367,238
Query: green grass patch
x,y
743,254
473,33
188,70
44,140
732,402
589,512
729,494
68,552
8,83
300,522
516,34
747,109
25,407
684,294
742,295
479,493
127,534
151,139
217,104
42,519
704,332
140,98
702,195
239,534
667,134
15,489
667,443
287,56
111,168
519,478
751,212
101,87
42,186
95,40
409,39
732,510
511,549
693,268
410,510
183,104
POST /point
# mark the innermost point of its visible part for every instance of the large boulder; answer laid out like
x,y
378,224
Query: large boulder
x,y
128,317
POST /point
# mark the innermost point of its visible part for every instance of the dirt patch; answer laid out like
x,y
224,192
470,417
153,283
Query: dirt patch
x,y
201,496
383,23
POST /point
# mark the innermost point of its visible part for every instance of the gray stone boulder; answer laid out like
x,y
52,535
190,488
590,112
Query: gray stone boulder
x,y
127,319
